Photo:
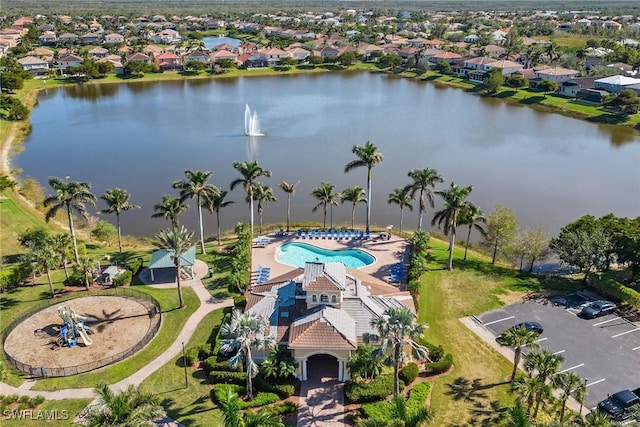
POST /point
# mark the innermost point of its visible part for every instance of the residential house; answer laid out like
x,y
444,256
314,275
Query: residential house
x,y
327,52
197,56
219,55
228,47
634,27
475,68
615,83
114,38
98,52
448,57
68,38
48,38
408,52
368,50
43,53
34,65
90,38
323,309
613,25
272,56
167,36
298,53
557,74
471,38
69,60
118,68
494,51
138,56
434,43
570,88
168,61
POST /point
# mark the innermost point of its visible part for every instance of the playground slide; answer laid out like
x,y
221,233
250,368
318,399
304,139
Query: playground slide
x,y
83,334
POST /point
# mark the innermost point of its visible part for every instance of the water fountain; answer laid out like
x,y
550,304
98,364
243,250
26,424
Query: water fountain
x,y
251,122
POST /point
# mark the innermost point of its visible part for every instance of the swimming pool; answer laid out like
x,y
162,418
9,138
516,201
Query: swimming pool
x,y
297,254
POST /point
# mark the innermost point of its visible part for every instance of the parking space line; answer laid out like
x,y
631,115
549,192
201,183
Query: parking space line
x,y
499,320
571,368
636,348
596,382
624,333
606,321
559,352
542,339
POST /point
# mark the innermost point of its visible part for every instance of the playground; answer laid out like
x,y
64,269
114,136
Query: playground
x,y
80,331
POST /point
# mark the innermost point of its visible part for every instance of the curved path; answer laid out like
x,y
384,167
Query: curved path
x,y
207,305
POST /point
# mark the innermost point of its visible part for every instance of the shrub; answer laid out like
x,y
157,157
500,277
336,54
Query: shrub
x,y
418,396
380,410
286,407
239,301
261,399
123,279
36,401
441,366
204,351
616,290
212,364
191,356
226,377
134,265
378,389
408,373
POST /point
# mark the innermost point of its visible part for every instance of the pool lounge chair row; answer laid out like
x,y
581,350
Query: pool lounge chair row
x,y
397,272
263,274
333,234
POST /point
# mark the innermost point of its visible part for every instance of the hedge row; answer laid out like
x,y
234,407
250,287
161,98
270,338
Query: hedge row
x,y
212,364
378,389
282,389
409,373
226,377
286,407
200,352
381,410
440,366
123,279
616,290
261,399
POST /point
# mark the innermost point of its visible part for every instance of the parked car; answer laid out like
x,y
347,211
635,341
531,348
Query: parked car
x,y
621,404
529,326
597,308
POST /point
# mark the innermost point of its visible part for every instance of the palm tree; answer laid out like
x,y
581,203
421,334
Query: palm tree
x,y
231,410
250,172
262,194
397,328
597,419
262,418
73,196
455,201
170,208
567,382
244,332
85,265
366,362
518,416
547,366
196,186
60,242
517,338
178,242
117,201
130,407
471,215
216,203
422,180
326,196
290,189
367,156
46,258
354,195
401,197
528,387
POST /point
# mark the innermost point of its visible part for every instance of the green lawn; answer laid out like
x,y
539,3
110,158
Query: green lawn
x,y
478,382
60,413
15,218
172,323
191,406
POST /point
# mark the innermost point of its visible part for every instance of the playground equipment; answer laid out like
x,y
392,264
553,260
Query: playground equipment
x,y
74,327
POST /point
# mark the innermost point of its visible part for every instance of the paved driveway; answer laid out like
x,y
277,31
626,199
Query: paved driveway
x,y
605,352
322,395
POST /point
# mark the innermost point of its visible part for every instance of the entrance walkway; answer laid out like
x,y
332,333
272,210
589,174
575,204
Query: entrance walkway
x,y
322,395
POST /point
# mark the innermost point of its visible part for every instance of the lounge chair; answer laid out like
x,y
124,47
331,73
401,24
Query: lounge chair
x,y
361,235
304,234
299,234
367,235
324,234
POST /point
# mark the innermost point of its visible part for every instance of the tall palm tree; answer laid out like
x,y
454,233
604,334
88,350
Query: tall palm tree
x,y
170,208
528,387
397,329
244,332
326,197
196,186
60,242
117,201
518,416
470,216
262,194
231,409
369,157
401,197
130,407
547,365
290,189
262,418
178,241
215,204
455,201
46,258
85,265
250,172
567,382
597,419
353,195
72,196
422,180
517,339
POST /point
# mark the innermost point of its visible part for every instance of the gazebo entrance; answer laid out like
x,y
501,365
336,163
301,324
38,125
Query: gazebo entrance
x,y
162,259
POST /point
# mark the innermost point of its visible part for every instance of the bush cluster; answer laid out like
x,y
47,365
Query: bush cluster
x,y
200,352
380,410
440,366
261,399
378,389
283,388
123,279
616,290
212,364
409,373
227,377
134,265
286,407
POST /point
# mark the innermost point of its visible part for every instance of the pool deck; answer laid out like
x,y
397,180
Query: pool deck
x,y
386,252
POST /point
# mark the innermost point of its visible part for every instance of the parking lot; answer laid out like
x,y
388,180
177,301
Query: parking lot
x,y
604,351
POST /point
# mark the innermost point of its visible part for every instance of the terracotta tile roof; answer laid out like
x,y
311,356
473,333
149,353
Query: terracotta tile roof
x,y
321,283
318,329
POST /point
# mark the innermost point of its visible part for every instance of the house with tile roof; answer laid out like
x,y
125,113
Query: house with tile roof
x,y
323,309
34,65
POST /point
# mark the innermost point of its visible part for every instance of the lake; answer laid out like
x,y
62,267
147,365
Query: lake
x,y
549,169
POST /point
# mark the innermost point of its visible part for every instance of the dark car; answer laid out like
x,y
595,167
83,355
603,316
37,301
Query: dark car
x,y
529,326
597,308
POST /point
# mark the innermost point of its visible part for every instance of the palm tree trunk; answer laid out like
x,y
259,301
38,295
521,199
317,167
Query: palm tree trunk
x,y
452,242
401,218
562,410
200,225
516,360
422,209
249,374
251,207
369,198
85,270
324,222
288,211
177,264
396,370
218,221
353,215
64,264
538,401
53,293
72,230
466,247
260,213
119,234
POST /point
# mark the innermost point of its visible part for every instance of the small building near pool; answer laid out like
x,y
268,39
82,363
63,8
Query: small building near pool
x,y
322,313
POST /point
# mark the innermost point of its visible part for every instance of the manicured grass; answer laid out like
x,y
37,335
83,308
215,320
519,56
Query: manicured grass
x,y
479,379
190,406
60,413
570,40
172,323
14,219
